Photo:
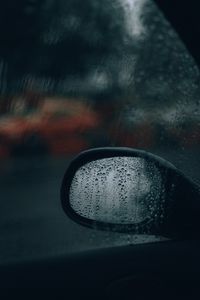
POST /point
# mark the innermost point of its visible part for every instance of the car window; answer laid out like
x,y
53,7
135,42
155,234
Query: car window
x,y
76,75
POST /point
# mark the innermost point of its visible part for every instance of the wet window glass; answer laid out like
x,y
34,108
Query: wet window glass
x,y
76,75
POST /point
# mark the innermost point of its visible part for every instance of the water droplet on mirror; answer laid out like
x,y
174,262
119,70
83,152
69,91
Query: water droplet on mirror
x,y
117,194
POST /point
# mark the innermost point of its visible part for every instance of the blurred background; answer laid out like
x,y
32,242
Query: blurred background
x,y
75,76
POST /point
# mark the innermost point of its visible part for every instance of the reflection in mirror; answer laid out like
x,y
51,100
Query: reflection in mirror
x,y
118,190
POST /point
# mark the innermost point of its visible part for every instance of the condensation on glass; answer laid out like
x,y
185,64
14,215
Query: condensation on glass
x,y
119,60
120,190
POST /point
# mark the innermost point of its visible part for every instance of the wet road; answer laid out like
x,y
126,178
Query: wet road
x,y
32,222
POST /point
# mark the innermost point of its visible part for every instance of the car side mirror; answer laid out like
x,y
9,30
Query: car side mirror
x,y
130,190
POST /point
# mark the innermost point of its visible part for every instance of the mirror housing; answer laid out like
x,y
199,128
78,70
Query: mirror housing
x,y
180,217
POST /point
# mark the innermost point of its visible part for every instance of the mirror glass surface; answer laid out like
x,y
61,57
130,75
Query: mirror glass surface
x,y
118,190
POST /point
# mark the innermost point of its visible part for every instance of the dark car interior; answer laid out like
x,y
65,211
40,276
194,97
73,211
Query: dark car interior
x,y
166,269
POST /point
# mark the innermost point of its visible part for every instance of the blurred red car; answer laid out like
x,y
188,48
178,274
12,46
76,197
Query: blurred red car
x,y
59,126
